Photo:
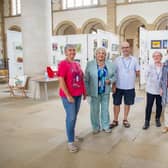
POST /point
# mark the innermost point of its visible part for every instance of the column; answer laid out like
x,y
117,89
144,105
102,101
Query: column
x,y
111,16
3,31
37,32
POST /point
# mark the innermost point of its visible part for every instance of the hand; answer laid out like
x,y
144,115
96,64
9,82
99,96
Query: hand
x,y
161,92
70,99
113,89
108,82
84,96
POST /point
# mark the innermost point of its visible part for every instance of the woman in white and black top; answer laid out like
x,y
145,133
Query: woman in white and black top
x,y
153,76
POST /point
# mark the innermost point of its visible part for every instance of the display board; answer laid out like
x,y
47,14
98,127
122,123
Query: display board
x,y
80,42
85,46
158,41
144,57
85,49
58,44
15,53
151,41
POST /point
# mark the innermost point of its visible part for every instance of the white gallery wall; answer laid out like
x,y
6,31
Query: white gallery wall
x,y
80,16
149,11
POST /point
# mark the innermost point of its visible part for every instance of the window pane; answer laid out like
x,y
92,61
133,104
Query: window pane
x,y
78,3
87,2
95,2
18,7
13,7
70,3
64,4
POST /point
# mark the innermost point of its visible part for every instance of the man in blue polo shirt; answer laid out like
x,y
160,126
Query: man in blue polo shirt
x,y
127,68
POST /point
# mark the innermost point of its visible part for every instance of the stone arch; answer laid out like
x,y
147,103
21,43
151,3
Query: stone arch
x,y
129,30
15,28
92,25
65,28
129,19
161,22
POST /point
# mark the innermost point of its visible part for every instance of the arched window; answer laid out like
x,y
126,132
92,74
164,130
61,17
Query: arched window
x,y
16,7
78,3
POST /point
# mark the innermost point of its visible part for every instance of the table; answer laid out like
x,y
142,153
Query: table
x,y
45,82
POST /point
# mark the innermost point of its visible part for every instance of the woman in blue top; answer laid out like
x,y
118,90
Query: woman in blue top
x,y
99,75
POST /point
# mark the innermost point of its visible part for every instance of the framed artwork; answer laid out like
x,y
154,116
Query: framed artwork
x,y
105,43
114,47
95,43
156,44
54,46
165,44
78,48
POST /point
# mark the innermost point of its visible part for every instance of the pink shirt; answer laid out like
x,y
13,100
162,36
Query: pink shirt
x,y
73,77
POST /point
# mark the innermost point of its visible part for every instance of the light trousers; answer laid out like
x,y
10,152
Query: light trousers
x,y
99,112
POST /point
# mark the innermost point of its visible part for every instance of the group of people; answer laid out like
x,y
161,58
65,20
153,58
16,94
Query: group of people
x,y
100,78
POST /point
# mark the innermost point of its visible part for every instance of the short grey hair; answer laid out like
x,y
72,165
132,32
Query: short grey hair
x,y
69,46
157,52
100,49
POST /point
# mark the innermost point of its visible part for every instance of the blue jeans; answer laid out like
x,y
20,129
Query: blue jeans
x,y
71,110
99,111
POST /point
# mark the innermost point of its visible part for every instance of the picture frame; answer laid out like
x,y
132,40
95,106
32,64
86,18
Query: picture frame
x,y
105,43
165,44
156,44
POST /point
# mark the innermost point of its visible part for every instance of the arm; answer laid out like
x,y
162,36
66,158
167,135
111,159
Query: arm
x,y
63,86
162,82
86,79
137,69
114,87
114,78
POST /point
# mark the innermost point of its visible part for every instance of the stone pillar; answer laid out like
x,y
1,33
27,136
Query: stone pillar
x,y
36,35
3,31
79,31
37,32
111,16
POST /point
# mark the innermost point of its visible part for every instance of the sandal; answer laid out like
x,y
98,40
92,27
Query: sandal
x,y
126,124
113,124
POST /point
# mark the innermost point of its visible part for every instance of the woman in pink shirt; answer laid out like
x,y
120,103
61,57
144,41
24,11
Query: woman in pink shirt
x,y
71,90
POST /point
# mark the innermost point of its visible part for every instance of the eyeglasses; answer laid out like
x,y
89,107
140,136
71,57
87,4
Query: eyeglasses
x,y
125,47
71,49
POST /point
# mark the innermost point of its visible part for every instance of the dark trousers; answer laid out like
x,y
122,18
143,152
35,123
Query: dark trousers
x,y
149,103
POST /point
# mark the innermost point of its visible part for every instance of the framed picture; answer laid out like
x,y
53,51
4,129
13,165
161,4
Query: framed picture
x,y
95,43
105,43
114,47
165,44
54,46
156,44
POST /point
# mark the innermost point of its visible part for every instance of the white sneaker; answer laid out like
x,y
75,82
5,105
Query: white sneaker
x,y
96,131
107,130
78,139
72,147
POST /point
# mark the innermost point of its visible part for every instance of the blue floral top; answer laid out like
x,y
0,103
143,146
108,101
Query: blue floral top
x,y
102,74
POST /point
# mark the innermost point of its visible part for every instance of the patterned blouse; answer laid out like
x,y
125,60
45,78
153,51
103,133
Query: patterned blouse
x,y
102,74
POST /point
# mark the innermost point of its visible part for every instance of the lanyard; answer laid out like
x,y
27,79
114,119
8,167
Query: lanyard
x,y
158,73
127,66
